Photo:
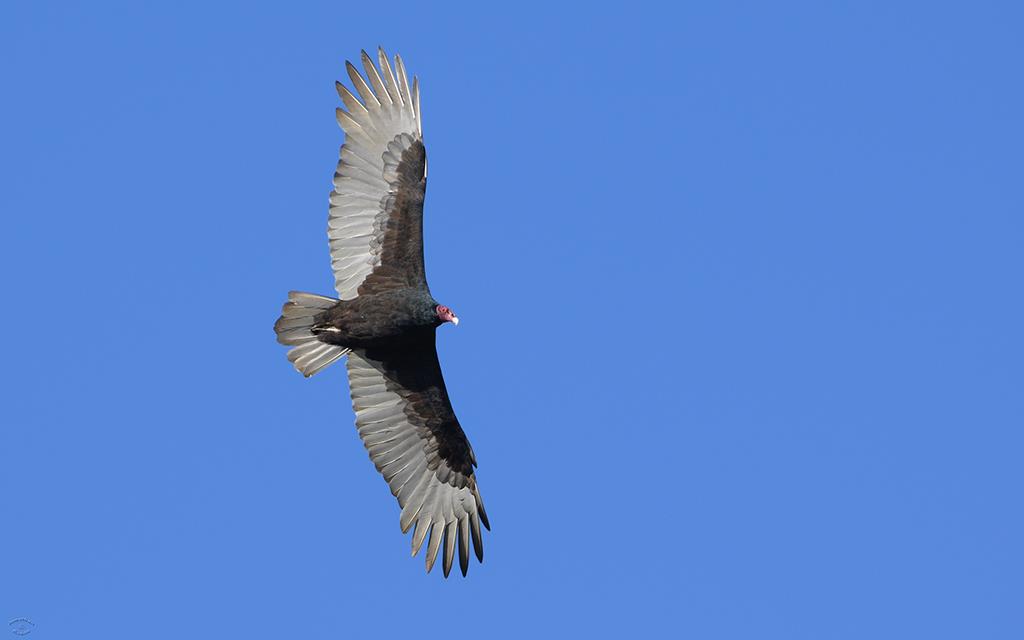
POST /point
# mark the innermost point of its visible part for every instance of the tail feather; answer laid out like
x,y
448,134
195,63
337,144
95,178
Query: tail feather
x,y
298,316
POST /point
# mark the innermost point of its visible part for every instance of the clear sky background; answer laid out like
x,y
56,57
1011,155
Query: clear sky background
x,y
741,292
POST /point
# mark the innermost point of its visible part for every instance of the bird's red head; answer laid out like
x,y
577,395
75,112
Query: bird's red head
x,y
447,315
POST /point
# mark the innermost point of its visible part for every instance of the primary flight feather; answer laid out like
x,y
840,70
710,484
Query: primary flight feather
x,y
385,319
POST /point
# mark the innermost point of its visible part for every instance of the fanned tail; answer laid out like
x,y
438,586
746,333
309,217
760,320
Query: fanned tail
x,y
308,353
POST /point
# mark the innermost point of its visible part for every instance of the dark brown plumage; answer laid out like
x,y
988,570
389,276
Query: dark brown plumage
x,y
402,243
386,319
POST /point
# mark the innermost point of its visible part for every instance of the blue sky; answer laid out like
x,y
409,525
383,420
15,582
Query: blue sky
x,y
740,290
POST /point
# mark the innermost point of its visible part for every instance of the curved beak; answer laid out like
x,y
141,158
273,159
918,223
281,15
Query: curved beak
x,y
455,320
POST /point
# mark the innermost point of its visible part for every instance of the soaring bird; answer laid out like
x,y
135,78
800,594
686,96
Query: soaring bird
x,y
385,319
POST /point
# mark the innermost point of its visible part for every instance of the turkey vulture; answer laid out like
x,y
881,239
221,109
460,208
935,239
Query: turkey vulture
x,y
385,319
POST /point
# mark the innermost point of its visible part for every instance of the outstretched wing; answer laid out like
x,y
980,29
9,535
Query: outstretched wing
x,y
375,224
414,439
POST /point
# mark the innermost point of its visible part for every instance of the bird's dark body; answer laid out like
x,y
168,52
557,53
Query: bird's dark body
x,y
389,319
396,328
